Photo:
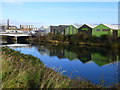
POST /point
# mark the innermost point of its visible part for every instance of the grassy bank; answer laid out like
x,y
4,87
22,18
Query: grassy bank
x,y
25,71
79,39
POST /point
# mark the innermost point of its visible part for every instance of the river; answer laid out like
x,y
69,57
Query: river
x,y
95,64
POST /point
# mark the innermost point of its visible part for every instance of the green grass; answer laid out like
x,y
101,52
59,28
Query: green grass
x,y
25,71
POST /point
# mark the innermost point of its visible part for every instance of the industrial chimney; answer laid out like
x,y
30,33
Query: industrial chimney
x,y
8,24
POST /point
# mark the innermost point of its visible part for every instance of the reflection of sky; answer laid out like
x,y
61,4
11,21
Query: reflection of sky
x,y
90,71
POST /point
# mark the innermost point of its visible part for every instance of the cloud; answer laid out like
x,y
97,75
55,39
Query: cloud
x,y
21,1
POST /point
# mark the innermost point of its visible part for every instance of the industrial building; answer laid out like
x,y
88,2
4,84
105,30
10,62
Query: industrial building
x,y
86,28
106,29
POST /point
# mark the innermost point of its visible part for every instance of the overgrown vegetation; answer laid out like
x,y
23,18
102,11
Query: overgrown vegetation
x,y
81,38
25,71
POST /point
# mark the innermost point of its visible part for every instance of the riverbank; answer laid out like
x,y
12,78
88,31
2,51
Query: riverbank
x,y
80,43
91,44
25,71
78,39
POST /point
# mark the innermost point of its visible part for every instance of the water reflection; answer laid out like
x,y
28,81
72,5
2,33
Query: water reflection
x,y
101,56
90,63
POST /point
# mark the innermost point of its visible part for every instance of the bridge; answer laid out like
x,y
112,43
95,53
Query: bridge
x,y
16,35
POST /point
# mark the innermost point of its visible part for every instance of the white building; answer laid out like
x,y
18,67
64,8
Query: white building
x,y
3,28
11,31
44,30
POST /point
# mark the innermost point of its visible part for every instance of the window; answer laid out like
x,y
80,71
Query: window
x,y
105,29
97,29
42,30
84,28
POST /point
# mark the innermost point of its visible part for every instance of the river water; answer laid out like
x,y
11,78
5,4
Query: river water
x,y
95,64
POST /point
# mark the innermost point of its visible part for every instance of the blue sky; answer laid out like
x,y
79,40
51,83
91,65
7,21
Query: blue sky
x,y
55,13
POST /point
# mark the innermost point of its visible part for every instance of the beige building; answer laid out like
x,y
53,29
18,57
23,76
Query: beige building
x,y
12,27
26,26
35,29
11,31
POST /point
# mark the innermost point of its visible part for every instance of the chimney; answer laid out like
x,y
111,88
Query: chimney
x,y
8,24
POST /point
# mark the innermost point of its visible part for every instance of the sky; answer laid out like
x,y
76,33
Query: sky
x,y
59,13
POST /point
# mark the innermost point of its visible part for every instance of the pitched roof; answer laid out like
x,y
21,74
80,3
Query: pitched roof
x,y
77,26
44,27
63,26
90,25
112,26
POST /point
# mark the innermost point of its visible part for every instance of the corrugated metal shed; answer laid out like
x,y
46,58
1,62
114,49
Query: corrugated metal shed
x,y
92,26
77,26
116,27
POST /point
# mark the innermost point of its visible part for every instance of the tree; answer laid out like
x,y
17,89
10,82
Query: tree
x,y
106,38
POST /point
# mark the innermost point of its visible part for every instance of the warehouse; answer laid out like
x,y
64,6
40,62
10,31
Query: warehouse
x,y
87,29
105,29
54,29
44,30
71,30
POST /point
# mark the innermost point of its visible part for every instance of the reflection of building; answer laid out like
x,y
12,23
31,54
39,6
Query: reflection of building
x,y
100,56
43,50
63,53
70,55
100,59
84,55
57,52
